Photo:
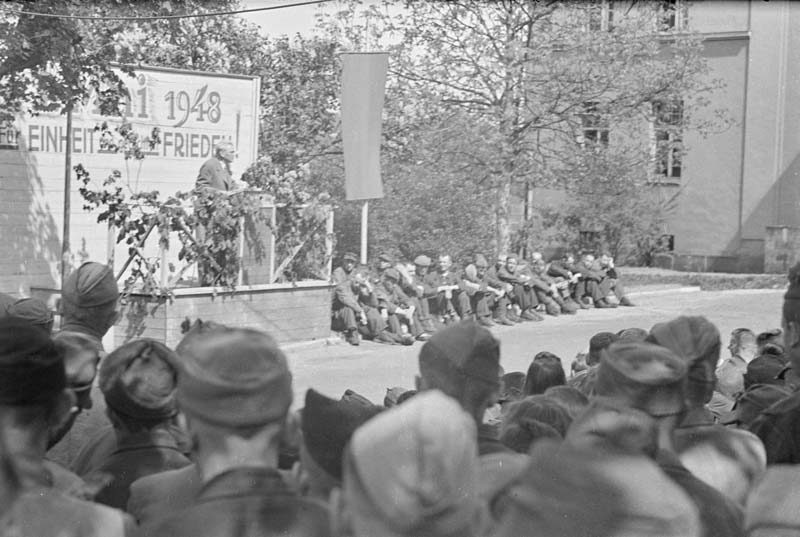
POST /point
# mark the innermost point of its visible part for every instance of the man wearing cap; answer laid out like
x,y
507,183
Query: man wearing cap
x,y
33,398
487,294
89,309
566,275
235,389
342,273
397,309
348,311
463,361
651,378
587,290
449,300
34,311
419,290
547,289
138,382
384,262
729,460
412,471
522,293
586,379
779,425
327,426
611,280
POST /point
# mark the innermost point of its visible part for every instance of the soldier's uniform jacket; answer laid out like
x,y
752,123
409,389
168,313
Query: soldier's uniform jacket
x,y
539,280
492,277
413,288
592,272
245,502
437,278
483,283
558,269
391,300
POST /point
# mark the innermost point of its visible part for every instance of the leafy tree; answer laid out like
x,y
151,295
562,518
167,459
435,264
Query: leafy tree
x,y
533,87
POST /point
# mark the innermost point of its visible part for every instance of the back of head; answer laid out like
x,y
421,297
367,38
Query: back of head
x,y
545,371
597,344
327,426
697,341
570,398
138,381
31,366
34,311
632,334
532,419
766,369
773,505
89,295
236,379
644,376
511,386
577,492
463,361
412,470
609,425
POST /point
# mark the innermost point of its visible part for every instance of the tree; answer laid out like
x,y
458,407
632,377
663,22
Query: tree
x,y
536,87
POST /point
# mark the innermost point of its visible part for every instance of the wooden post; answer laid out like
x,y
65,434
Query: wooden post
x,y
364,218
163,279
329,242
65,246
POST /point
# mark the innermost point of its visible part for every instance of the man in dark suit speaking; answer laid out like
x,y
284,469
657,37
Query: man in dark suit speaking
x,y
216,171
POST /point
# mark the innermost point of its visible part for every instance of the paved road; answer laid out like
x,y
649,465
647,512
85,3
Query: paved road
x,y
371,368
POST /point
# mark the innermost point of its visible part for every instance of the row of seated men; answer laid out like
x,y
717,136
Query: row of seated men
x,y
397,304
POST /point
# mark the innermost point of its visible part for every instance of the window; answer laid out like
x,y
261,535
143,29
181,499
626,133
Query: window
x,y
601,15
594,127
667,130
672,15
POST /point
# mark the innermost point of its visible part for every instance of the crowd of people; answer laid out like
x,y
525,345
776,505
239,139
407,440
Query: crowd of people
x,y
397,303
652,432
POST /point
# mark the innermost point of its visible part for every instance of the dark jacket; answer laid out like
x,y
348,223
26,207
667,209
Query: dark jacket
x,y
214,174
779,428
245,502
157,495
136,456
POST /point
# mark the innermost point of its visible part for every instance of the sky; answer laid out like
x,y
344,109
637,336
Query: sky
x,y
292,20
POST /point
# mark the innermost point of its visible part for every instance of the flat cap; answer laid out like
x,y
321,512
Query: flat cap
x,y
350,256
391,274
31,366
33,310
766,369
412,470
327,426
464,348
422,261
644,376
139,379
93,284
695,339
238,378
597,344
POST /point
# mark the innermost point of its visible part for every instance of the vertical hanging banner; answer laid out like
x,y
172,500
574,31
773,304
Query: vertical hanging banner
x,y
363,86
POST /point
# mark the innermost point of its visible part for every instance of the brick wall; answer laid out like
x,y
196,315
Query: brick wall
x,y
287,312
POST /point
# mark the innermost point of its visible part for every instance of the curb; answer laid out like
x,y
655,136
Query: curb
x,y
656,292
302,345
